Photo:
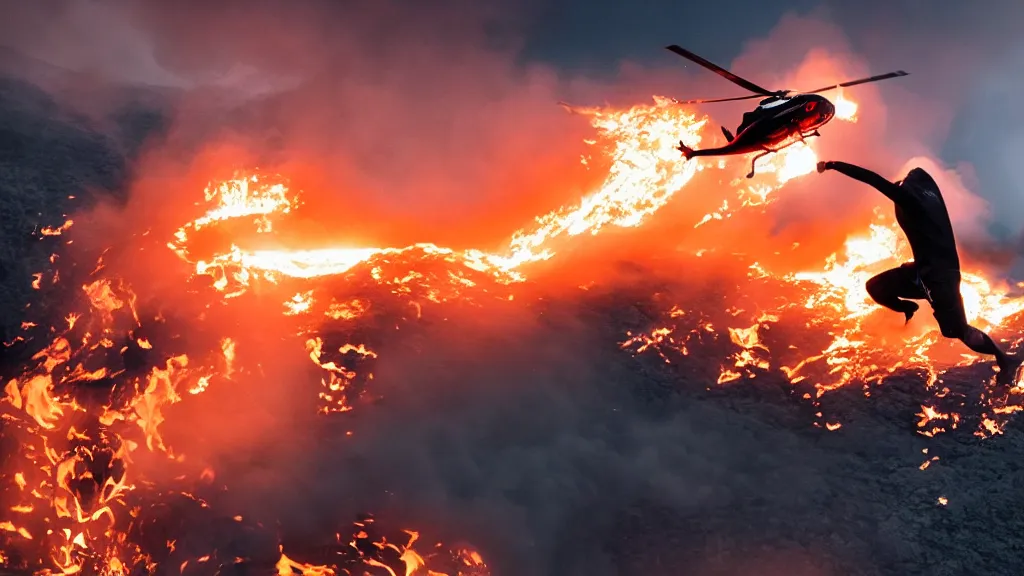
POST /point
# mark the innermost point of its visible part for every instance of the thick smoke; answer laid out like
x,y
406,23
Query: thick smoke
x,y
521,436
387,108
86,37
967,59
901,124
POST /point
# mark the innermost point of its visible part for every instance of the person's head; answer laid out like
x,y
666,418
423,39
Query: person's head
x,y
918,178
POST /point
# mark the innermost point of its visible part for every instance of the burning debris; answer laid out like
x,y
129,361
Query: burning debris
x,y
840,350
85,413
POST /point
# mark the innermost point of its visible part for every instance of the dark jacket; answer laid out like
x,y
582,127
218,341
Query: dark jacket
x,y
921,213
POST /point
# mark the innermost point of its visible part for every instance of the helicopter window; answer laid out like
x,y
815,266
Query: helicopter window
x,y
811,106
773,103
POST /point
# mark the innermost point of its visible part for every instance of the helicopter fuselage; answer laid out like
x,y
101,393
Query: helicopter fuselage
x,y
777,123
781,119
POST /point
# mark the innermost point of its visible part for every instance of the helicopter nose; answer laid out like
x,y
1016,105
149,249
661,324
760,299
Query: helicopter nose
x,y
828,110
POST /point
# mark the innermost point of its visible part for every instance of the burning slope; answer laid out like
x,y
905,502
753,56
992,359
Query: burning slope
x,y
645,174
84,422
84,415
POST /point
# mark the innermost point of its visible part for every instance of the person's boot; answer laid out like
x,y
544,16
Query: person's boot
x,y
1011,371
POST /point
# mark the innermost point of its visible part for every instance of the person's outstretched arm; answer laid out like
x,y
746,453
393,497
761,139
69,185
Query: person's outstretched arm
x,y
891,191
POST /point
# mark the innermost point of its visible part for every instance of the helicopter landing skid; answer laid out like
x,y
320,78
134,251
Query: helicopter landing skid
x,y
753,161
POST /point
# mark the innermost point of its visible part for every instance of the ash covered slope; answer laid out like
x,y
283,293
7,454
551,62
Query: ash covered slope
x,y
563,455
54,160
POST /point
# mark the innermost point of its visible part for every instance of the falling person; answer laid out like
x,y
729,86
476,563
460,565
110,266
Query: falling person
x,y
934,274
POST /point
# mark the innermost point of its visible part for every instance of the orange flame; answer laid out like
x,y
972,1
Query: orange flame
x,y
645,174
845,109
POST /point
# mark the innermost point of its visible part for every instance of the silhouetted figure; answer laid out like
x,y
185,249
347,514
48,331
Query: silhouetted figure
x,y
934,274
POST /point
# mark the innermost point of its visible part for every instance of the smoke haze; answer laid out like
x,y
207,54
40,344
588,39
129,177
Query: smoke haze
x,y
406,123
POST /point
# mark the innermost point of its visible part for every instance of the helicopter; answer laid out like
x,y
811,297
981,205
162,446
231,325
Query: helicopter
x,y
781,119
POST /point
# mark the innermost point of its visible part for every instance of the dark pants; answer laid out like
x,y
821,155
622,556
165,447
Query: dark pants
x,y
897,288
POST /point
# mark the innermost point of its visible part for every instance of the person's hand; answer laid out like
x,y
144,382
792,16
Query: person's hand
x,y
822,166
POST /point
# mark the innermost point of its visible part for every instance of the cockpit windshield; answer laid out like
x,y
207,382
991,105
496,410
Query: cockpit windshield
x,y
772,101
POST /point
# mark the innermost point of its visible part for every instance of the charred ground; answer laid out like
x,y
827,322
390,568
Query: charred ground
x,y
526,430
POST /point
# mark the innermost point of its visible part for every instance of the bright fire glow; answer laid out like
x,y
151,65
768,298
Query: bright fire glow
x,y
79,493
845,109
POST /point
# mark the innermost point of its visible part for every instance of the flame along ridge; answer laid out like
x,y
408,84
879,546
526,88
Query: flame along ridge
x,y
78,494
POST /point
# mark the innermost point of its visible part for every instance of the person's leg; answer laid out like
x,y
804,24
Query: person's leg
x,y
948,308
982,343
893,289
1010,366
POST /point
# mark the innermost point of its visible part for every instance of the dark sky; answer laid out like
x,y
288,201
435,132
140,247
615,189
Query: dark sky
x,y
966,59
597,34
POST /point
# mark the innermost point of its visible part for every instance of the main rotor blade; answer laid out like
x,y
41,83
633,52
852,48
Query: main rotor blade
x,y
896,74
717,99
741,82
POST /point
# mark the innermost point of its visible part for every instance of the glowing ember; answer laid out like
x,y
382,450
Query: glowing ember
x,y
75,504
840,287
51,231
840,309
